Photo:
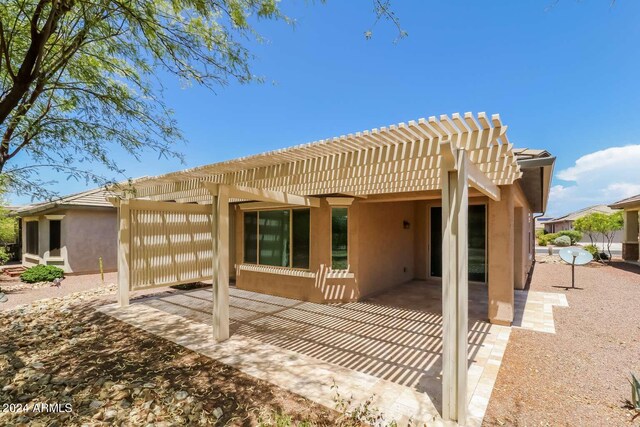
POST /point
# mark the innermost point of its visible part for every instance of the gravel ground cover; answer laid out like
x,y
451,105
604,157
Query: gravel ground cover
x,y
61,351
19,293
578,376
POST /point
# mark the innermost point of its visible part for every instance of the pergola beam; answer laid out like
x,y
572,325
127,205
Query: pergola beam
x,y
482,183
261,195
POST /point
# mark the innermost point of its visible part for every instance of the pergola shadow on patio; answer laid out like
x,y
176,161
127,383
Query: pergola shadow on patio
x,y
389,345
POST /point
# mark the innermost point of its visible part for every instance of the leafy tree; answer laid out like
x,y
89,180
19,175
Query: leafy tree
x,y
600,224
586,225
610,225
78,78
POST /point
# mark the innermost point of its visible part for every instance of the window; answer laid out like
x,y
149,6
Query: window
x,y
477,242
339,247
54,237
300,238
279,238
273,246
251,237
32,237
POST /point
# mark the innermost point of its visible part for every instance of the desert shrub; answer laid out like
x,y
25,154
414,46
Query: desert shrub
x,y
574,235
4,255
593,250
41,273
547,239
562,241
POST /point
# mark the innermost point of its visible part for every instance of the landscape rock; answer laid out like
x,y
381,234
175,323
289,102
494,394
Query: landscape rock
x,y
181,395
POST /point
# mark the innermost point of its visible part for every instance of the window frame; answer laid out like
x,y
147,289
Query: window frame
x,y
331,238
257,263
486,240
37,238
58,250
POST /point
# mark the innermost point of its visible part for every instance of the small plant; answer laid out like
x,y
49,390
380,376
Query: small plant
x,y
593,250
42,273
546,239
4,255
562,241
355,415
635,393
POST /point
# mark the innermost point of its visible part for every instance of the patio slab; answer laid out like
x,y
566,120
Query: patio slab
x,y
387,348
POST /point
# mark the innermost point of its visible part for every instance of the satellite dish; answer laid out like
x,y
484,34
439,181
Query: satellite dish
x,y
575,256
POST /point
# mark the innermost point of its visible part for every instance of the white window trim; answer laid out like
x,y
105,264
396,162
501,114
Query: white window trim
x,y
54,217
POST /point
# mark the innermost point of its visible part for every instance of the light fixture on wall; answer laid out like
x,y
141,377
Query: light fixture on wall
x,y
406,225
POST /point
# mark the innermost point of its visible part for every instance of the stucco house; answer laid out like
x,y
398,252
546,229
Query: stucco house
x,y
565,222
631,210
72,232
446,200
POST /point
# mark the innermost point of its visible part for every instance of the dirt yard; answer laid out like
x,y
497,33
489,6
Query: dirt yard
x,y
61,351
578,376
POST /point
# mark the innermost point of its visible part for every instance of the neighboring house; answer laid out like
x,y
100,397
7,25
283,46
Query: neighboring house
x,y
565,222
631,209
72,232
540,221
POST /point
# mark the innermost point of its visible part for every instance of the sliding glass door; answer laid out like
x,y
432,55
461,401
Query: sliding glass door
x,y
477,242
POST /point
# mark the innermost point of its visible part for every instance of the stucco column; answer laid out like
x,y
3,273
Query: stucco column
x,y
501,257
455,210
630,243
520,231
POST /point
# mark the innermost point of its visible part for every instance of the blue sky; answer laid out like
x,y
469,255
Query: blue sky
x,y
564,78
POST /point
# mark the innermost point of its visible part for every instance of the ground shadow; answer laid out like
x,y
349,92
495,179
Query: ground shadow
x,y
394,336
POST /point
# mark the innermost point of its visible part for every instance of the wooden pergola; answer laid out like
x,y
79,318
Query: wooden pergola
x,y
449,154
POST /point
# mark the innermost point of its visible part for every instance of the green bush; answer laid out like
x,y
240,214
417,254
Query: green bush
x,y
562,241
575,236
4,255
42,273
547,239
593,250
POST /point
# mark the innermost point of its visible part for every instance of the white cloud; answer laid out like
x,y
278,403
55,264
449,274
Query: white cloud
x,y
600,177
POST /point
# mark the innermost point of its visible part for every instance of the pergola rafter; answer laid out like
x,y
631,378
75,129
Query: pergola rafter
x,y
370,157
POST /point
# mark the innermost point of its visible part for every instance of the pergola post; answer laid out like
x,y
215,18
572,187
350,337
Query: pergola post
x,y
220,236
455,206
124,254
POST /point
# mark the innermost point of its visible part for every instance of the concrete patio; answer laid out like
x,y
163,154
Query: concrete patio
x,y
388,347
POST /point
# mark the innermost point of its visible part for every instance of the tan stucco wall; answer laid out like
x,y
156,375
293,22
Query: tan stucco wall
x,y
500,219
421,240
89,235
386,248
511,251
85,235
383,254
